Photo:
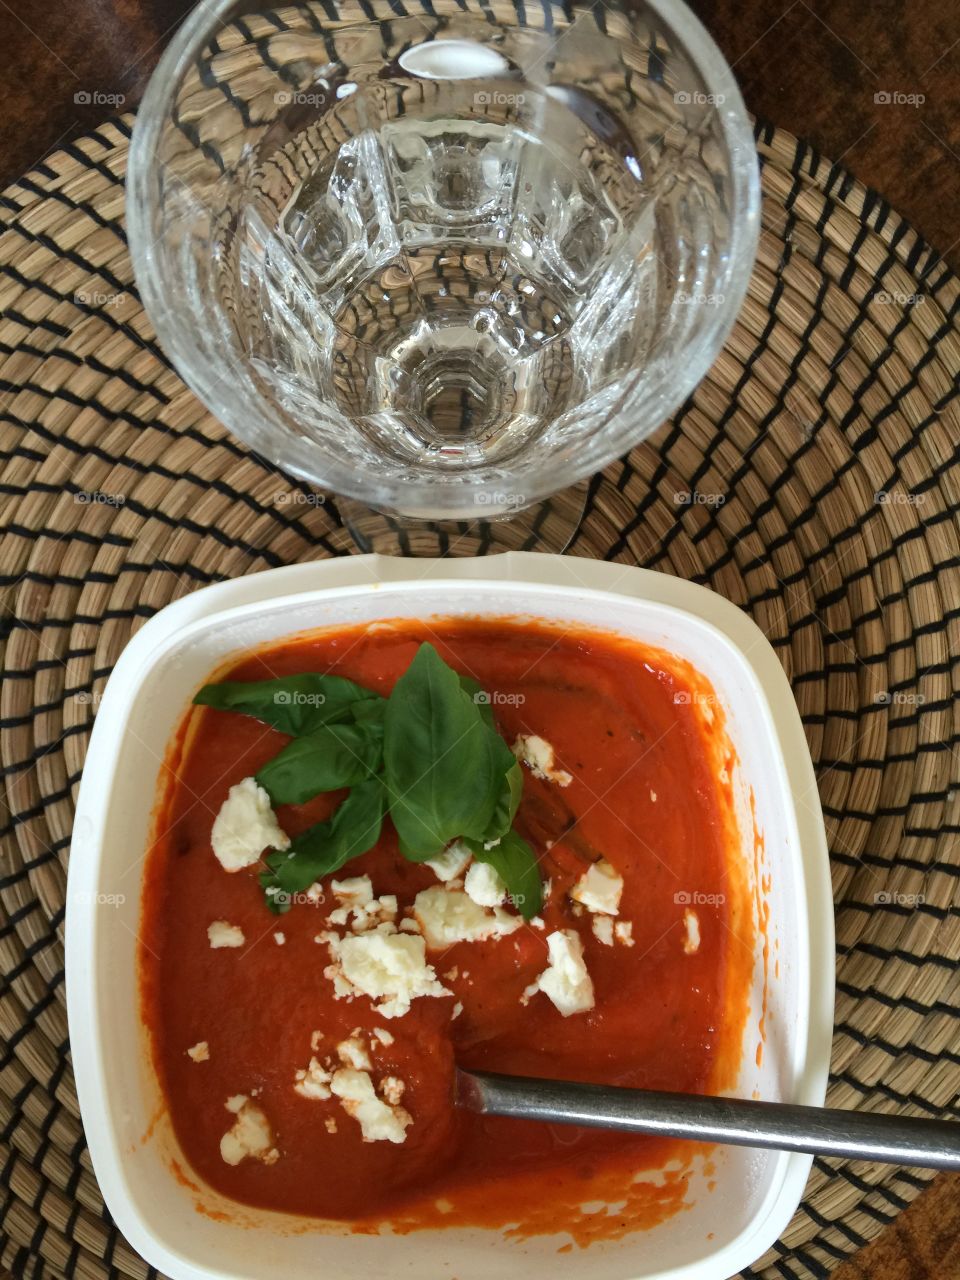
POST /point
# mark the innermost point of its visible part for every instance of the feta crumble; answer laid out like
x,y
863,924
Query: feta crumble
x,y
391,1089
251,1134
279,938
245,826
484,885
383,1035
691,924
599,888
565,981
355,892
603,929
623,932
330,1124
450,864
200,1052
313,1082
353,1053
447,916
221,934
539,757
389,968
378,1120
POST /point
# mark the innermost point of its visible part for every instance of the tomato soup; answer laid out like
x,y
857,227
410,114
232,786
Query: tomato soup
x,y
645,786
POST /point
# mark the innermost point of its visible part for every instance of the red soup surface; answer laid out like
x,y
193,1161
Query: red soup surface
x,y
649,790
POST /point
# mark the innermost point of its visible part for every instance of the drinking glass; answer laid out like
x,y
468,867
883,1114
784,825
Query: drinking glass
x,y
443,257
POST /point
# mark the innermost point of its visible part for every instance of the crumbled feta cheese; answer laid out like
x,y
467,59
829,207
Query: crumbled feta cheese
x,y
222,934
484,885
599,888
316,1039
390,968
691,923
565,980
378,1120
313,1082
330,1124
356,892
448,916
409,925
450,864
245,826
623,932
279,938
353,1053
383,1035
251,1134
199,1052
653,797
529,992
315,892
538,755
360,906
391,1090
538,922
603,929
457,1010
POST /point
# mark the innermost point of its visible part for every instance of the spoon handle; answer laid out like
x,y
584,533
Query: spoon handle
x,y
861,1135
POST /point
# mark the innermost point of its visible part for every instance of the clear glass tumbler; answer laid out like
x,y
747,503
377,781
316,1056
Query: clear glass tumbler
x,y
446,257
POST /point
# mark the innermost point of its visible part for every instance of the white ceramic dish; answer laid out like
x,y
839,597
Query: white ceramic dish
x,y
756,1193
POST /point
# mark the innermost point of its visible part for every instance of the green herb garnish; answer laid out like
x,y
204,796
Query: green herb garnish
x,y
429,755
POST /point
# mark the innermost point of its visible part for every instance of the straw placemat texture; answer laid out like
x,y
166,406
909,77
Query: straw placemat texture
x,y
813,478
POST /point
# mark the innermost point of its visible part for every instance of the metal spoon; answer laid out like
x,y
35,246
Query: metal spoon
x,y
861,1135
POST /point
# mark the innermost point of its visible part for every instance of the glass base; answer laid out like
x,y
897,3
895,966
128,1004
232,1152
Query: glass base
x,y
548,526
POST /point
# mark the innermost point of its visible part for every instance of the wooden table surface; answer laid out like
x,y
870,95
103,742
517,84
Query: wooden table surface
x,y
827,70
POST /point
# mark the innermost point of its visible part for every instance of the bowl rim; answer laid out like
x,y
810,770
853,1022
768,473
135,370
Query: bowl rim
x,y
566,577
321,464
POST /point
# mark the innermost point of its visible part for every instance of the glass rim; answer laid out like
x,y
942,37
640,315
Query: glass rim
x,y
441,494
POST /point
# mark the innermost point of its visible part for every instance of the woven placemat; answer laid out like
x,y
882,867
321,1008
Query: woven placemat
x,y
813,478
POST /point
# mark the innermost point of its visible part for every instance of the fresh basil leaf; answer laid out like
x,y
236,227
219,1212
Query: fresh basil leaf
x,y
370,711
508,799
439,768
292,704
327,846
515,863
338,755
479,697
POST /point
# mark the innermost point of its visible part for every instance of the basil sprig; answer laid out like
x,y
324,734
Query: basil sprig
x,y
430,755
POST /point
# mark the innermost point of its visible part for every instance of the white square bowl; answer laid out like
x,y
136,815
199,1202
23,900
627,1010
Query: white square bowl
x,y
130,1138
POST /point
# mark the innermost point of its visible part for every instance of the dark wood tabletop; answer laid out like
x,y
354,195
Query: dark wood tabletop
x,y
820,68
